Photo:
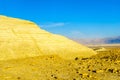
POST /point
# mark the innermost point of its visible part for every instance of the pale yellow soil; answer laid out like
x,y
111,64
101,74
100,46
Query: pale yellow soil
x,y
103,66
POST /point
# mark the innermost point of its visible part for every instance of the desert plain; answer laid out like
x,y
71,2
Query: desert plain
x,y
103,66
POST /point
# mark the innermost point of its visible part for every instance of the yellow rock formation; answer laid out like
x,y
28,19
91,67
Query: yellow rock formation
x,y
21,38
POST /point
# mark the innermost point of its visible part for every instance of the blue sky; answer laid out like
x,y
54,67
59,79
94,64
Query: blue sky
x,y
71,18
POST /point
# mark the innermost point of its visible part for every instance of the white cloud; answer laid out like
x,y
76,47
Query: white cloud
x,y
50,25
76,34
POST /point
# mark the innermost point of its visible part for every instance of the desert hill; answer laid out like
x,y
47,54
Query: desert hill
x,y
21,38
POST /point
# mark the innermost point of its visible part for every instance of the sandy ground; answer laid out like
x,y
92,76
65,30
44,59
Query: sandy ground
x,y
103,66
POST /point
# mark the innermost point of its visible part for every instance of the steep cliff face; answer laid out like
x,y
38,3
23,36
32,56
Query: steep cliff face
x,y
21,38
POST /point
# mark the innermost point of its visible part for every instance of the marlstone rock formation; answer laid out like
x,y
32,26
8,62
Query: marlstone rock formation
x,y
21,39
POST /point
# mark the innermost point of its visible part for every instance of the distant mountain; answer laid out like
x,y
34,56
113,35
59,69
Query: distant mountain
x,y
113,40
90,41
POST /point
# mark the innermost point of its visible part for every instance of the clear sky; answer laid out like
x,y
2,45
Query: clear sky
x,y
72,18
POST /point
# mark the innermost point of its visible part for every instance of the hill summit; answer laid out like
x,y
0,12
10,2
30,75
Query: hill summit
x,y
21,39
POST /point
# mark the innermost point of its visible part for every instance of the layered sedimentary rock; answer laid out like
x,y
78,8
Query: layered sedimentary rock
x,y
21,39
